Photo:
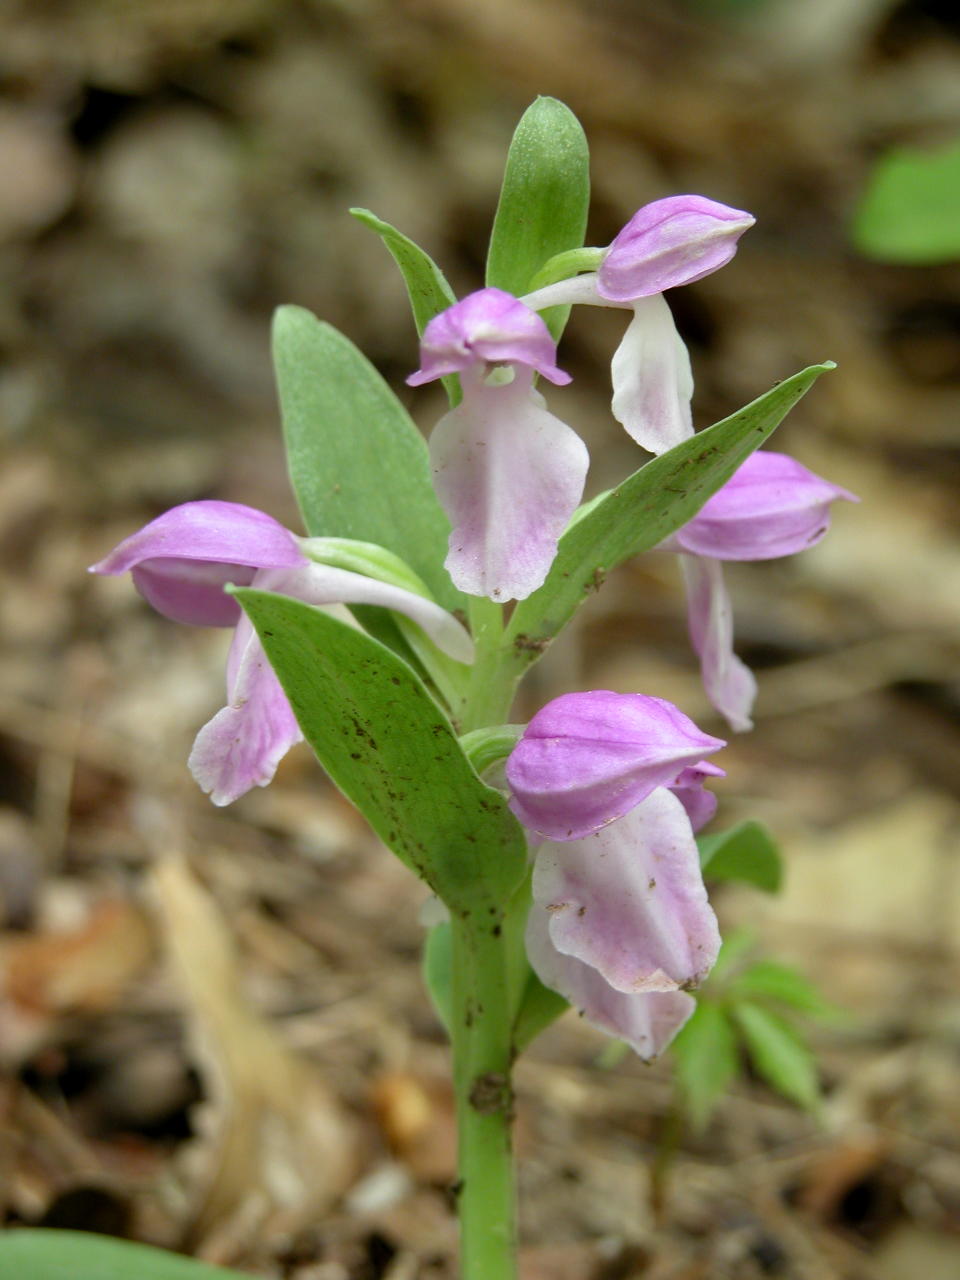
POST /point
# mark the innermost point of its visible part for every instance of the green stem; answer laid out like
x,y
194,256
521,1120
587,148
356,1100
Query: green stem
x,y
482,1005
492,680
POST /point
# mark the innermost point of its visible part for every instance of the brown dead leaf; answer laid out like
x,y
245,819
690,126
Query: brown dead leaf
x,y
418,1119
83,970
278,1147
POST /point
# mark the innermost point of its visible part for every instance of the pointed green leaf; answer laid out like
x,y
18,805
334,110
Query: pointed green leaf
x,y
747,853
768,979
390,749
910,211
543,201
706,1056
427,286
652,503
438,971
81,1255
779,1054
358,464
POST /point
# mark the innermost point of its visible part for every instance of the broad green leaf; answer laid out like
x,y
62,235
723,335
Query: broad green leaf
x,y
910,211
539,1007
390,749
779,1054
706,1057
358,464
438,971
637,515
775,981
747,853
427,286
81,1255
543,201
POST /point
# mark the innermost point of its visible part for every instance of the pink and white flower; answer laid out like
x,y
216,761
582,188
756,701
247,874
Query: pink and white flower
x,y
507,472
620,924
667,243
772,506
181,562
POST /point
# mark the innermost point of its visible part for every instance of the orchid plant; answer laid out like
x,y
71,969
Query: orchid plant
x,y
565,854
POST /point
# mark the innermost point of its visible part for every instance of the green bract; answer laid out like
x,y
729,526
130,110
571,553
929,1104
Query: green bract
x,y
543,201
388,746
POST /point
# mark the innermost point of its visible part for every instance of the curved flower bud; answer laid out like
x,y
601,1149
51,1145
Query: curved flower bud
x,y
586,759
486,327
772,506
507,472
647,1022
629,900
182,560
668,243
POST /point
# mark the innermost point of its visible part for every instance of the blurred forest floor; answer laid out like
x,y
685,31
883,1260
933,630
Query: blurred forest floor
x,y
213,1034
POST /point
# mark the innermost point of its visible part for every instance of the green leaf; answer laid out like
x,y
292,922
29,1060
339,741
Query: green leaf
x,y
910,211
438,971
427,286
775,981
652,503
543,201
358,464
390,749
539,1007
747,853
779,1054
707,1061
81,1255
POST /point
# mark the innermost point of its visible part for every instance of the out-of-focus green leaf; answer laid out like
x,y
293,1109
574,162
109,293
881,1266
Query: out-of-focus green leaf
x,y
391,750
539,1007
779,1054
910,211
543,201
747,853
775,981
81,1255
437,971
706,1056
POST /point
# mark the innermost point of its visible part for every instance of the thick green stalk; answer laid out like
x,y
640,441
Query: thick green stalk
x,y
483,1006
489,972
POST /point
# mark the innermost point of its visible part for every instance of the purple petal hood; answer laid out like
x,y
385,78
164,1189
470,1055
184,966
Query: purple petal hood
x,y
181,561
668,243
486,327
772,506
586,759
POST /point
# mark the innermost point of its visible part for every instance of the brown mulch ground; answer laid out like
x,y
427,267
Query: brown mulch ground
x,y
213,1033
